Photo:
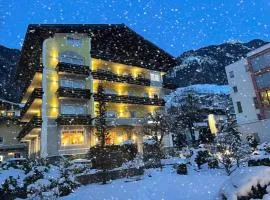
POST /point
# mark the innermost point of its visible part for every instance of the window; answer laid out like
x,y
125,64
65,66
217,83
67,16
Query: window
x,y
1,140
132,114
263,80
73,109
72,137
239,107
155,77
75,42
10,114
72,58
17,155
231,74
109,91
72,83
261,61
131,93
256,103
111,114
235,89
265,98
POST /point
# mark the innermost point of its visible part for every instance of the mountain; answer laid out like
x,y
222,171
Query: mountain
x,y
9,87
207,65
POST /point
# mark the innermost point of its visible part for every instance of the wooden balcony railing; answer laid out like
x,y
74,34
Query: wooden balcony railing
x,y
74,93
130,99
36,94
35,122
74,120
110,76
73,68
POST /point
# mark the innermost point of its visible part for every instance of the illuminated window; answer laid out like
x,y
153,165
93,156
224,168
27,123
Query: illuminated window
x,y
10,114
72,137
266,98
155,77
3,113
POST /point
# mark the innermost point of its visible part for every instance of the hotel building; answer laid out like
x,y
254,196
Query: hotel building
x,y
62,66
249,79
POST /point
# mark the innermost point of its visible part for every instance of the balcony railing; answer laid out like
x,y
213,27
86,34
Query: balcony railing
x,y
130,99
110,76
36,94
73,68
125,121
35,122
74,120
74,93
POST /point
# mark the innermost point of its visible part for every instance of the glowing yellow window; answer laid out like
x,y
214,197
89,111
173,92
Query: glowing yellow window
x,y
72,137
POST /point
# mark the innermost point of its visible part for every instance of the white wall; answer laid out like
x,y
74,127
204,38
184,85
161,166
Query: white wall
x,y
246,93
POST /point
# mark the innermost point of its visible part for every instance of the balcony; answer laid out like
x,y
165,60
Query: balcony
x,y
74,120
124,121
110,76
36,94
130,99
74,93
35,122
73,69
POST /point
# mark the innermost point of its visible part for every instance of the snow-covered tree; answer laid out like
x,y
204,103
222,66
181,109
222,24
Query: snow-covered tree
x,y
102,129
156,126
229,147
186,112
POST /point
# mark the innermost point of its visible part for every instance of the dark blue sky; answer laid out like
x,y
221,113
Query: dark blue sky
x,y
174,25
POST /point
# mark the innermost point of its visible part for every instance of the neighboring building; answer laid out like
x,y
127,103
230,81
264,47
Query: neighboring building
x,y
250,91
10,147
63,65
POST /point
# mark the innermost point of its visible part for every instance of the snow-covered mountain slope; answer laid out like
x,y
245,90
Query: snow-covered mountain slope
x,y
207,65
10,89
210,96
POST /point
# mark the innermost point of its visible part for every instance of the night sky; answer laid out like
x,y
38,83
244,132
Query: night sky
x,y
174,25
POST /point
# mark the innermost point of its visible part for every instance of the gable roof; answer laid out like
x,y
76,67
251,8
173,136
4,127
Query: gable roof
x,y
111,42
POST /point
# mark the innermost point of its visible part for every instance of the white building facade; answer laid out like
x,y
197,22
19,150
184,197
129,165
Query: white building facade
x,y
249,79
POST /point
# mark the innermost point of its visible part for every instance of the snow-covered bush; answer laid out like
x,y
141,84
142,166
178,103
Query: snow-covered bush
x,y
41,189
246,183
66,183
182,169
201,157
137,162
10,189
151,154
212,163
259,162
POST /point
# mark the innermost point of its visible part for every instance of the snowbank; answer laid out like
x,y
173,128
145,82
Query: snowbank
x,y
242,180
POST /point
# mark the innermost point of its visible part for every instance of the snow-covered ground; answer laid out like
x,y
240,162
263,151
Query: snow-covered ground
x,y
156,184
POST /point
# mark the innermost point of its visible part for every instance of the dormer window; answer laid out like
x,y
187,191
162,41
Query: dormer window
x,y
75,42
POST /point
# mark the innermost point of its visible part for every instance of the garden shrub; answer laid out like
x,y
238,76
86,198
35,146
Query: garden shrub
x,y
111,156
256,193
212,163
259,162
181,169
151,155
10,189
202,157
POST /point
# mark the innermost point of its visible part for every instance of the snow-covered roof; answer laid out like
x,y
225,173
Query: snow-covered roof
x,y
256,51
